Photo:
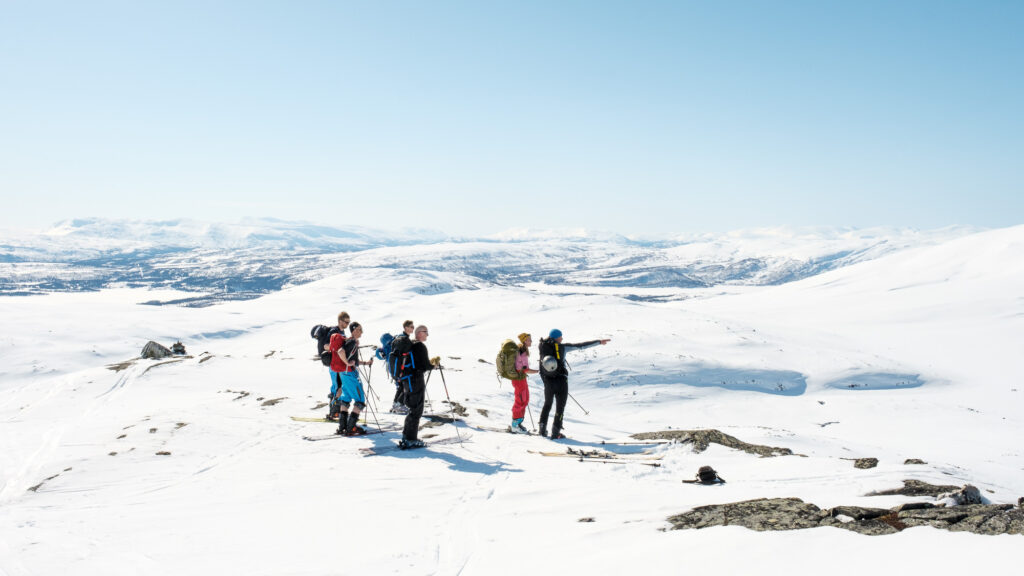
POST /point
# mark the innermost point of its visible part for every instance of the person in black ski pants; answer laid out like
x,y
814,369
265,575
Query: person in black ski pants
x,y
416,388
556,382
398,404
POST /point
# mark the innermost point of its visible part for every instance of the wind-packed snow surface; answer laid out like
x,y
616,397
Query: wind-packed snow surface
x,y
194,466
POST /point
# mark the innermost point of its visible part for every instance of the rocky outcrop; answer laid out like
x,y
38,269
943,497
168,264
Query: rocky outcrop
x,y
916,488
701,439
795,514
865,463
763,514
966,495
155,351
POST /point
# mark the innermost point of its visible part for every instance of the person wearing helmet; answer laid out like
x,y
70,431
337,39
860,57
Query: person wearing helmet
x,y
555,375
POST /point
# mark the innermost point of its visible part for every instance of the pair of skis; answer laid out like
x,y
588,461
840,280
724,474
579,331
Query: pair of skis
x,y
583,455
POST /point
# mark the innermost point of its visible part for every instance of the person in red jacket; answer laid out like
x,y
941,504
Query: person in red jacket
x,y
337,366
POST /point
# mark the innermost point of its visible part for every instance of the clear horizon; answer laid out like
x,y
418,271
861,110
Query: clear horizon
x,y
467,118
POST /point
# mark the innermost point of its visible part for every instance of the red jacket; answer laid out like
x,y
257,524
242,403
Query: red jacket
x,y
337,341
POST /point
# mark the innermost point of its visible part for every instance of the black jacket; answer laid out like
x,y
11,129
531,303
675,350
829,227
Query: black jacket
x,y
548,347
420,360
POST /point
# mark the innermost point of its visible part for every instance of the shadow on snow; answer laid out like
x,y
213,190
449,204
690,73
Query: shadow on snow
x,y
454,461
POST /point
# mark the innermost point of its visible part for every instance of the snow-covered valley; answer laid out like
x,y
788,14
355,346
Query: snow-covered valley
x,y
837,346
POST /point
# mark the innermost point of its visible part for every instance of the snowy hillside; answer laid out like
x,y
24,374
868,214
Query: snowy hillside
x,y
836,346
218,262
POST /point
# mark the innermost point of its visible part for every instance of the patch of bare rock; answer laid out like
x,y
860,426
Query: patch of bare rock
x,y
701,439
966,514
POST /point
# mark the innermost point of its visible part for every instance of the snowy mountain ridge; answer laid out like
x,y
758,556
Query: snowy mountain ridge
x,y
232,261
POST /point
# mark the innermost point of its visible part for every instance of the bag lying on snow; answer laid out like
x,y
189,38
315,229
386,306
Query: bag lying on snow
x,y
706,475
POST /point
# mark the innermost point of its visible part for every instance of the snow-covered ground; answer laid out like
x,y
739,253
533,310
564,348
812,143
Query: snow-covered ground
x,y
913,353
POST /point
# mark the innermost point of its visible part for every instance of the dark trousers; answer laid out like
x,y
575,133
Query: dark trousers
x,y
414,401
399,395
555,388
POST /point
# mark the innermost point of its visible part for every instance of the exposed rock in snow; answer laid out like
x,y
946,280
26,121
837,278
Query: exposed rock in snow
x,y
916,488
155,351
701,439
794,514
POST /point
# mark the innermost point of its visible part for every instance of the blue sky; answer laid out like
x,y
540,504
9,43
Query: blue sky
x,y
474,117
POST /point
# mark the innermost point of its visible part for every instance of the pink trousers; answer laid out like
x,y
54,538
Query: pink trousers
x,y
522,398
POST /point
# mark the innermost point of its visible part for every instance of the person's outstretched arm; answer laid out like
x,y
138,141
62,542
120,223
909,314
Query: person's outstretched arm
x,y
586,344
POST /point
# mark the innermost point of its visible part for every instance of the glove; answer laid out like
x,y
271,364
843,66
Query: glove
x,y
435,361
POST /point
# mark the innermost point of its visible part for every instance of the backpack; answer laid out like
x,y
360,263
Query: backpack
x,y
336,351
322,334
505,362
547,351
707,475
400,362
384,350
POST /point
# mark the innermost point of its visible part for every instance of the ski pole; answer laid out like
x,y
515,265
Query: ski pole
x,y
580,405
532,423
426,390
450,405
372,411
369,388
367,375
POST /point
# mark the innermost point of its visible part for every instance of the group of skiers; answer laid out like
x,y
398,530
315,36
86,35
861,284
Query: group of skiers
x,y
407,361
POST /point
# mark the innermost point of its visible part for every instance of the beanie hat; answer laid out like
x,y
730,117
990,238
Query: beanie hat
x,y
522,337
555,334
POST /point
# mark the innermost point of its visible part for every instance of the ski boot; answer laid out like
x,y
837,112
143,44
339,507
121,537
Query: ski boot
x,y
352,428
342,423
517,427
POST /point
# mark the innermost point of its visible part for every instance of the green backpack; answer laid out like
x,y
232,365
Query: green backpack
x,y
506,361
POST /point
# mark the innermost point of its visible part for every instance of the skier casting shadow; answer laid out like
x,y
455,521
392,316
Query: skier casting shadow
x,y
556,378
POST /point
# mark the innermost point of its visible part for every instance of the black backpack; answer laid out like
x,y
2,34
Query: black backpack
x,y
400,362
322,334
707,475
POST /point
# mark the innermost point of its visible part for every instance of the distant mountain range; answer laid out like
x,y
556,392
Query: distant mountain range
x,y
221,261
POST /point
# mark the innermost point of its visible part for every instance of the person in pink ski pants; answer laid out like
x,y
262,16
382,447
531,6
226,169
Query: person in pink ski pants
x,y
522,390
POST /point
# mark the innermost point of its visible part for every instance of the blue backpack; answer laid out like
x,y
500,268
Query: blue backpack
x,y
384,352
400,360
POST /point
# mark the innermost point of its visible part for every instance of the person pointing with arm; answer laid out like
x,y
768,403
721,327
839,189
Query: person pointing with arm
x,y
555,375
